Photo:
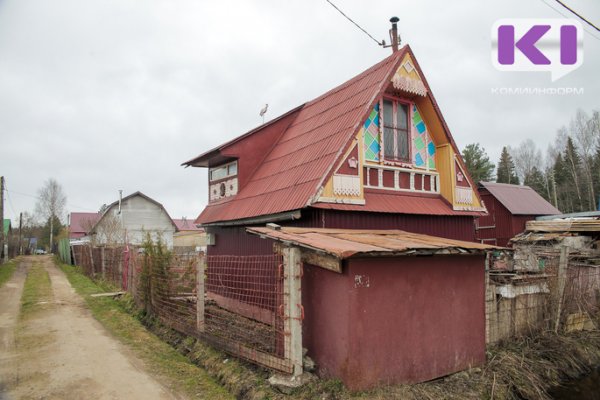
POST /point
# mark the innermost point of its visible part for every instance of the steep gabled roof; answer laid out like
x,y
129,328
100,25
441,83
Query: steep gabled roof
x,y
184,224
520,200
124,199
82,222
296,167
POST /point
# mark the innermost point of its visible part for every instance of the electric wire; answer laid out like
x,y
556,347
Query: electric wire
x,y
566,16
38,198
357,25
578,15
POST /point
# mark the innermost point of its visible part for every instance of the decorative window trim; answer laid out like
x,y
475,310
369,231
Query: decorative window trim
x,y
395,101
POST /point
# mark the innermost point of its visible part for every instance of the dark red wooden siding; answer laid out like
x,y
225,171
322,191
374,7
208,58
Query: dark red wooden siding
x,y
235,240
500,225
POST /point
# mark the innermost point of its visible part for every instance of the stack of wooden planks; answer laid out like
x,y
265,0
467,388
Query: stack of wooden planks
x,y
565,225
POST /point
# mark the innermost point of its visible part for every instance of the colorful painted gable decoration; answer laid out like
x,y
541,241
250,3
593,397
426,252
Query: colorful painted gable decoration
x,y
423,147
407,79
372,144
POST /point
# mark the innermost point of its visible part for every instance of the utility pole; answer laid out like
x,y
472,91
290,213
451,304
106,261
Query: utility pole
x,y
20,234
2,218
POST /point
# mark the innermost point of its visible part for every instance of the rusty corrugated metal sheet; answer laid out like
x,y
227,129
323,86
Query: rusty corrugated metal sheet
x,y
293,170
346,243
520,200
394,202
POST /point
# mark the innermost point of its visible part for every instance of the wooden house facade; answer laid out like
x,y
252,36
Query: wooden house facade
x,y
372,153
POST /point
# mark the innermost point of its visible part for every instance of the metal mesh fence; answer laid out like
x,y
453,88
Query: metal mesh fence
x,y
173,290
244,309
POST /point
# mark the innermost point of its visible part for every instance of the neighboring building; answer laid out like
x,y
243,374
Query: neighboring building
x,y
509,208
81,223
372,153
188,234
131,219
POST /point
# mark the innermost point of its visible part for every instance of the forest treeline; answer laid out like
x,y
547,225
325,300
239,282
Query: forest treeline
x,y
567,174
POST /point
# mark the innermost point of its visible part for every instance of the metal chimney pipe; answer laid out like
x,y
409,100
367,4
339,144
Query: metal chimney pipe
x,y
120,200
394,33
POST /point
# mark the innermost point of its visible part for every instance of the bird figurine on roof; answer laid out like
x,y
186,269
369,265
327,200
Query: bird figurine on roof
x,y
263,112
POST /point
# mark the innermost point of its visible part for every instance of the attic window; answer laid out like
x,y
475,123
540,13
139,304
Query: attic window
x,y
395,131
223,171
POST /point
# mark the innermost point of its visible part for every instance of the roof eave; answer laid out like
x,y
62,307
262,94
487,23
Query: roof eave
x,y
202,159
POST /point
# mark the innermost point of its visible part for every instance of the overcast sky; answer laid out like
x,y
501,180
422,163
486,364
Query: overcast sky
x,y
105,95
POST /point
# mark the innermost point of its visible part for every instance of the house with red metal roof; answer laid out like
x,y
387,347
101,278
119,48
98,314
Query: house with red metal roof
x,y
509,208
372,153
81,223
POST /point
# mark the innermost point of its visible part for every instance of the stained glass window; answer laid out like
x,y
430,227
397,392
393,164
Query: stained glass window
x,y
371,135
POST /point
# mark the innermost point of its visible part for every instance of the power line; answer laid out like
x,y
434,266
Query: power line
x,y
579,15
38,198
561,13
357,25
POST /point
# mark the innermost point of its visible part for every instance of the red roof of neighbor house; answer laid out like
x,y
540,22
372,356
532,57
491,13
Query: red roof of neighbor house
x,y
520,200
400,203
298,164
81,223
185,224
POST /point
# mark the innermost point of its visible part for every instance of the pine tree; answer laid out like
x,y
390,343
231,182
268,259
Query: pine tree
x,y
506,169
537,181
573,166
561,179
478,163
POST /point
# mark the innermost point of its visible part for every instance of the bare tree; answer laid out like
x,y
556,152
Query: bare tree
x,y
582,129
51,204
109,230
526,157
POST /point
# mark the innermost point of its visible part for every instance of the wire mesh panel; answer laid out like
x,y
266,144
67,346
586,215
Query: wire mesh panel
x,y
173,291
244,310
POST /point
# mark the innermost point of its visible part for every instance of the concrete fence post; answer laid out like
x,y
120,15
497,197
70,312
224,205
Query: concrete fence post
x,y
200,293
561,282
293,311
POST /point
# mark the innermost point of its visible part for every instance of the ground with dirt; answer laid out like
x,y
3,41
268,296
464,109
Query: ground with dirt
x,y
62,352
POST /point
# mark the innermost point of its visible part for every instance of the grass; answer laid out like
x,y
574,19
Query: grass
x,y
160,358
37,291
6,271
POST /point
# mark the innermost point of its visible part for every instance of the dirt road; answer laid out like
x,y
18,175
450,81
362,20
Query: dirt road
x,y
63,352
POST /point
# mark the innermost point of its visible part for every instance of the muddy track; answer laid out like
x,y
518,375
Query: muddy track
x,y
62,352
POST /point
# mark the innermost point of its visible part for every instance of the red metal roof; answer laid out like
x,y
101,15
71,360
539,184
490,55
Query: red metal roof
x,y
81,223
346,243
185,224
520,200
297,165
400,203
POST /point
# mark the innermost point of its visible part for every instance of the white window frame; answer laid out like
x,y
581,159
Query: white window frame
x,y
228,173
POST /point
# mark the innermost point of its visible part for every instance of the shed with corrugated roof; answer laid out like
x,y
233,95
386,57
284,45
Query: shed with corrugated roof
x,y
509,208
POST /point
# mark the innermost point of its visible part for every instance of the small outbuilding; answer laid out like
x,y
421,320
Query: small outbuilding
x,y
509,208
388,306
